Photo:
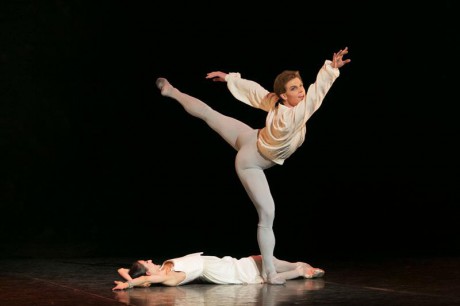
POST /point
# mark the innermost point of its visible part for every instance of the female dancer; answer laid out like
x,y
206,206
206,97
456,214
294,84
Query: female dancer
x,y
210,269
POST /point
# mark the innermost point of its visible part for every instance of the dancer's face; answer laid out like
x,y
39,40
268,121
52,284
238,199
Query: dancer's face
x,y
295,92
151,267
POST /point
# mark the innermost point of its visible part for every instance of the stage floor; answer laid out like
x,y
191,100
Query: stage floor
x,y
89,281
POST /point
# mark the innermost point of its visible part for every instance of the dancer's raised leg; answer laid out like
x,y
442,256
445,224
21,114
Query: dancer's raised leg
x,y
227,127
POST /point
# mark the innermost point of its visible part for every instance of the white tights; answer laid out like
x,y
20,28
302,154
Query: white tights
x,y
249,165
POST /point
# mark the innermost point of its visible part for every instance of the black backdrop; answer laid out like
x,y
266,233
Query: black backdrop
x,y
96,163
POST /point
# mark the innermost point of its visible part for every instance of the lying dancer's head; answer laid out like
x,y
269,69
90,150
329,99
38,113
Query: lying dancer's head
x,y
143,267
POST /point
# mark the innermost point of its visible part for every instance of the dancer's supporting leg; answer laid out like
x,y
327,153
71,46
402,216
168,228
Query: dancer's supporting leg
x,y
250,166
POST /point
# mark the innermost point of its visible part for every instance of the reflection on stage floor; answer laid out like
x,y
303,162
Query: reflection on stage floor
x,y
89,281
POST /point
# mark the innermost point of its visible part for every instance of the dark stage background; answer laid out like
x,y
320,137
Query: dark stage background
x,y
94,162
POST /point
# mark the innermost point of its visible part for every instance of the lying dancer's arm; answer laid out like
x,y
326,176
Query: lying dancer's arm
x,y
141,281
125,274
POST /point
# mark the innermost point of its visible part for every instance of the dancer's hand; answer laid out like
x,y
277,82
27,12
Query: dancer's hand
x,y
120,285
337,58
217,76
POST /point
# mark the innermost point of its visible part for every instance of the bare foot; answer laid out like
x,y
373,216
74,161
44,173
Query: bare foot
x,y
164,86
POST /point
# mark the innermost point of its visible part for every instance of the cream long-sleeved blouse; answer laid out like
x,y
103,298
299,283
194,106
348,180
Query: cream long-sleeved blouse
x,y
285,127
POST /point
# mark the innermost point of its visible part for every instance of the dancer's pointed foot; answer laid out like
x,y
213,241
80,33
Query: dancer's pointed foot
x,y
164,86
317,272
275,279
307,271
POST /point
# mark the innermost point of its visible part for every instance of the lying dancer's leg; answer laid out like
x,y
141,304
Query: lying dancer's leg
x,y
250,167
291,270
228,128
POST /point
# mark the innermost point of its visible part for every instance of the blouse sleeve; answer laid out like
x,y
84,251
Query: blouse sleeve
x,y
249,92
316,93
